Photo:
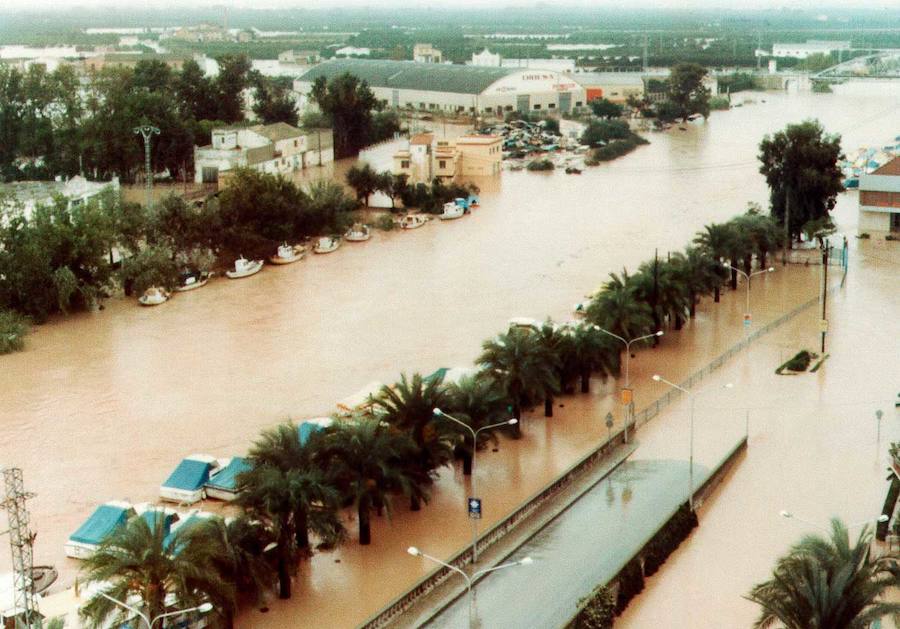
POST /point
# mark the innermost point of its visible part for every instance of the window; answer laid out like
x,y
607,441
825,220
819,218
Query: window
x,y
489,109
538,106
404,163
578,103
442,163
552,105
508,108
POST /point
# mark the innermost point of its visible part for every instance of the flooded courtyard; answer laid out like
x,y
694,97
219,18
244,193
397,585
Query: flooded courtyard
x,y
102,406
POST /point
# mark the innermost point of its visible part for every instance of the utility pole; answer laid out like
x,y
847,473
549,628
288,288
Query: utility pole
x,y
787,226
147,131
20,542
758,49
645,54
824,290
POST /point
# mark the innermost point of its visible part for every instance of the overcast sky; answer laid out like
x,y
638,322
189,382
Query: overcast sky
x,y
820,5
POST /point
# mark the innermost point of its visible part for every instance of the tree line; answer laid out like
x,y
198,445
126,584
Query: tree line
x,y
293,495
429,198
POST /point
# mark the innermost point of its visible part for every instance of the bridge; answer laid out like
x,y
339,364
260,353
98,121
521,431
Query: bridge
x,y
881,64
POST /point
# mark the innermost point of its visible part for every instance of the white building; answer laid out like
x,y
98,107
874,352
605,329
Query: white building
x,y
275,149
32,194
485,59
879,200
811,47
350,51
426,53
456,88
566,66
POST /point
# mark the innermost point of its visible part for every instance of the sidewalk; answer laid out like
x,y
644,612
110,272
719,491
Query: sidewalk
x,y
344,587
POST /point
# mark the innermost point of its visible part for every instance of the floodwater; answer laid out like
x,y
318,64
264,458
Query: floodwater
x,y
102,405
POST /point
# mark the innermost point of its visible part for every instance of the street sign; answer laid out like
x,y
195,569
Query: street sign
x,y
823,325
475,508
747,319
627,396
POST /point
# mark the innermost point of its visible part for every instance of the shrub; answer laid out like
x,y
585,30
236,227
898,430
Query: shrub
x,y
820,87
540,164
800,362
616,148
631,583
719,103
890,237
598,609
599,132
385,222
864,236
154,266
13,328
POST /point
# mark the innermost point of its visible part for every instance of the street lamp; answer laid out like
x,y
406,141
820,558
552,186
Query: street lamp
x,y
628,343
509,422
771,269
147,131
693,396
790,516
204,608
525,561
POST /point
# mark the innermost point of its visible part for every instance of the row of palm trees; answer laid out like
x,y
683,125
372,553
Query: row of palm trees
x,y
295,492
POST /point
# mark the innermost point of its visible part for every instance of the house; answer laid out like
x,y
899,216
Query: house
x,y
613,86
428,158
351,51
32,194
426,53
811,47
879,199
485,59
275,148
302,57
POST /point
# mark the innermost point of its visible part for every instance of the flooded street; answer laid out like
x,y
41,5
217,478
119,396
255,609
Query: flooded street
x,y
102,406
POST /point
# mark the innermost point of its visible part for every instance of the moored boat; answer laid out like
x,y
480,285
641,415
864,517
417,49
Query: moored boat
x,y
185,484
358,233
154,296
327,244
412,221
287,254
105,521
451,211
244,268
193,279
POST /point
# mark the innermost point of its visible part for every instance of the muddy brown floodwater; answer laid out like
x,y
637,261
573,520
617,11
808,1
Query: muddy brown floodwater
x,y
102,405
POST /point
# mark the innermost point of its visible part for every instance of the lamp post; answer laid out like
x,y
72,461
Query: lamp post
x,y
509,422
790,516
525,561
147,131
693,396
205,607
771,269
628,342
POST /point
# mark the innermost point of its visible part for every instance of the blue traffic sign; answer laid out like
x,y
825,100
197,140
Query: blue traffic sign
x,y
475,508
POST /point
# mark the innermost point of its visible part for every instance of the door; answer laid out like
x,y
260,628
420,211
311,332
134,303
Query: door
x,y
523,103
565,102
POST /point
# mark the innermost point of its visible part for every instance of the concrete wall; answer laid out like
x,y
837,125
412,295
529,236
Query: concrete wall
x,y
874,222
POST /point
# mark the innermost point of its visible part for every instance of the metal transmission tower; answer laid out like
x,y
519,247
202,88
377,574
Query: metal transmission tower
x,y
147,131
20,541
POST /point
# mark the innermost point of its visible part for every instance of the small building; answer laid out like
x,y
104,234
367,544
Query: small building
x,y
275,149
613,86
485,59
302,57
566,66
32,194
879,199
130,60
426,53
352,51
811,47
469,155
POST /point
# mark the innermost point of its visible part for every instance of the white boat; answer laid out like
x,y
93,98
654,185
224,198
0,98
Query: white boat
x,y
244,268
193,279
153,297
525,323
185,483
413,221
451,211
358,233
287,254
105,521
327,244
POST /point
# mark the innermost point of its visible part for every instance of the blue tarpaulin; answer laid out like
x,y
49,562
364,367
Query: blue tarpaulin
x,y
102,523
190,475
154,516
226,480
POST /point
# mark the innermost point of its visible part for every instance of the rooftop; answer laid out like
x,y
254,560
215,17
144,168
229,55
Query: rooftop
x,y
608,78
422,138
276,131
892,168
411,75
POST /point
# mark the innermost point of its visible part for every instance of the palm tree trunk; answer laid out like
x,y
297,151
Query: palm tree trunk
x,y
415,504
228,619
678,321
284,575
517,413
693,305
733,279
302,534
467,462
585,380
748,263
762,258
365,526
716,294
548,406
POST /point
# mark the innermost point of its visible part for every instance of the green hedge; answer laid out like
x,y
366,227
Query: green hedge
x,y
540,164
13,328
598,609
617,148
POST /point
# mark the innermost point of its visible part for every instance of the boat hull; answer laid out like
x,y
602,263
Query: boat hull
x,y
253,270
291,260
195,285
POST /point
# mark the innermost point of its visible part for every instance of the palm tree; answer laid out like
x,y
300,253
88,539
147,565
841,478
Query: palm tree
x,y
715,241
593,350
658,284
366,458
409,407
618,309
763,234
143,559
522,367
740,249
698,272
291,503
240,560
477,401
557,343
827,583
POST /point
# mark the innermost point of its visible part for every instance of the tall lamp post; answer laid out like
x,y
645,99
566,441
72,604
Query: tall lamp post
x,y
628,398
771,269
205,607
525,561
147,131
790,516
509,422
693,396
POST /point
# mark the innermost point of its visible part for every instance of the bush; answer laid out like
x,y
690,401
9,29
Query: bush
x,y
597,610
800,362
890,237
152,267
599,132
864,236
631,583
820,87
540,164
13,328
719,103
616,149
385,222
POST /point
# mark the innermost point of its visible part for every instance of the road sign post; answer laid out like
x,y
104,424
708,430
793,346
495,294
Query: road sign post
x,y
475,508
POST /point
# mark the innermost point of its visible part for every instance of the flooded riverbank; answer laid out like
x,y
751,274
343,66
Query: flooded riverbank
x,y
102,405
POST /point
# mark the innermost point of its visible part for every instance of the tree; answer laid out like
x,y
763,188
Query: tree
x,y
364,181
197,98
557,343
762,232
392,185
801,167
715,242
365,457
328,209
144,560
233,79
686,90
697,272
617,308
828,582
593,350
274,103
476,401
522,367
348,103
151,267
605,108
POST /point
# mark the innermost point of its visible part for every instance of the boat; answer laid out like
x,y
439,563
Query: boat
x,y
103,522
308,427
193,279
525,323
244,268
451,211
153,515
580,309
361,402
154,296
327,244
223,485
287,254
451,375
185,483
358,233
473,202
413,221
851,182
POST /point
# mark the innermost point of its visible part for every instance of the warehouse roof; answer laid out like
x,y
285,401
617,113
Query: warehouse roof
x,y
434,77
609,78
